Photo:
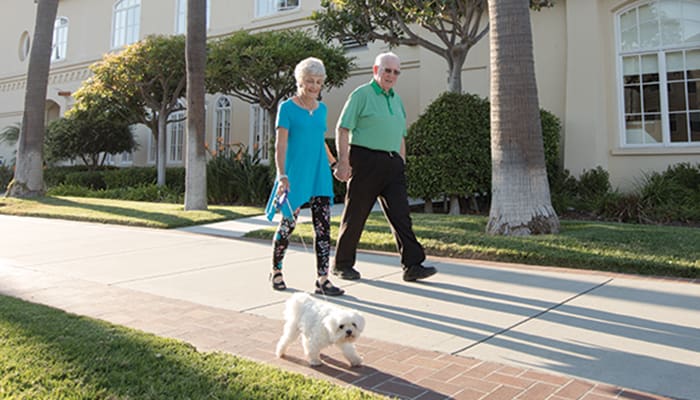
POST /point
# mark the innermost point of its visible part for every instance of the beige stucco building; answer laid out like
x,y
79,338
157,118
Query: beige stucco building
x,y
623,76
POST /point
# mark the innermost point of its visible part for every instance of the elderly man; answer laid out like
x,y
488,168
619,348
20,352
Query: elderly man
x,y
371,159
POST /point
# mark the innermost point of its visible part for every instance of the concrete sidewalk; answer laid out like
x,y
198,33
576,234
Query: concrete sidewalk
x,y
476,330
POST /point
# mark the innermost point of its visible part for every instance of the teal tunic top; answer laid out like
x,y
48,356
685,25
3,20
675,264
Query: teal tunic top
x,y
306,162
375,119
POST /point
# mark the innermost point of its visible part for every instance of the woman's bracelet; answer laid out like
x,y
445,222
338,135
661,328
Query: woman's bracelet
x,y
280,177
333,164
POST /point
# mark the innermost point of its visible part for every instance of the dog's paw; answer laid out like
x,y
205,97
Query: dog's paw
x,y
356,362
315,362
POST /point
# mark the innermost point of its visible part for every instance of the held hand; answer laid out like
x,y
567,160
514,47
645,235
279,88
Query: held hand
x,y
342,171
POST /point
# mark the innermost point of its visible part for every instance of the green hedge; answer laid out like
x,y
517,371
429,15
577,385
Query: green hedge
x,y
449,147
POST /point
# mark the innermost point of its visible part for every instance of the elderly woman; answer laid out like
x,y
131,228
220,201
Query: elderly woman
x,y
303,173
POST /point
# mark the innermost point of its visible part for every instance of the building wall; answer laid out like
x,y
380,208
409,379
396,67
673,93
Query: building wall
x,y
574,45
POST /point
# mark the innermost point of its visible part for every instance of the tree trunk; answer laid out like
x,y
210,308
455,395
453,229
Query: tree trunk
x,y
521,203
428,206
454,73
29,177
454,205
162,153
196,163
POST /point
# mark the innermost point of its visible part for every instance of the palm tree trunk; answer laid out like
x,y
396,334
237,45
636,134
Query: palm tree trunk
x,y
29,176
521,203
196,163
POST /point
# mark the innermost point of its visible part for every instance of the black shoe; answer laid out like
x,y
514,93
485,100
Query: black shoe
x,y
415,272
328,289
349,274
277,281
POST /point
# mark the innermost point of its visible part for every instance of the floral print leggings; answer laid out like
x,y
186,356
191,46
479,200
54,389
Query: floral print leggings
x,y
321,218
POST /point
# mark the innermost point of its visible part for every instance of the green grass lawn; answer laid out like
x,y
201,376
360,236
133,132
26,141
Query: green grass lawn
x,y
628,248
138,213
48,354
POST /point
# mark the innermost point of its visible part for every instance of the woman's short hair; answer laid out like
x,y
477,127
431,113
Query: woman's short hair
x,y
309,66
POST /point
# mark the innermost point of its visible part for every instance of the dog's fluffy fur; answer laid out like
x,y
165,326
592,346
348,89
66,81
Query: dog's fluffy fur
x,y
320,325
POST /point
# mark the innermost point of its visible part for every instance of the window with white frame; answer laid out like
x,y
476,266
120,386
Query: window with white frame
x,y
181,16
222,123
122,158
176,136
267,7
60,39
260,128
659,58
152,149
126,22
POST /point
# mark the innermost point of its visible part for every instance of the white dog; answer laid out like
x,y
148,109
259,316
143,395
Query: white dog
x,y
320,325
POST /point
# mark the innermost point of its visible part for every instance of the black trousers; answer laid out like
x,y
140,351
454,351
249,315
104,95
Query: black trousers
x,y
376,175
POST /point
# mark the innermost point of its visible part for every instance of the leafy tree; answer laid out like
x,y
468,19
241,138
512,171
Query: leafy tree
x,y
196,56
448,28
89,137
29,178
258,68
521,201
145,83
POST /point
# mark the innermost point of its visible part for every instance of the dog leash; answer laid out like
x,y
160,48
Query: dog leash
x,y
283,199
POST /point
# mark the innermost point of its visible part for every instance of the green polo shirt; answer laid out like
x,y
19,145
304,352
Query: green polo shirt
x,y
375,119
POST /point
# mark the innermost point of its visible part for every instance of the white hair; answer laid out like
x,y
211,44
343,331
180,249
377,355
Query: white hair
x,y
379,61
309,66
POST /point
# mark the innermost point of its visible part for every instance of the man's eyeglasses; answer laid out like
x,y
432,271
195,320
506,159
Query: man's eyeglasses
x,y
392,71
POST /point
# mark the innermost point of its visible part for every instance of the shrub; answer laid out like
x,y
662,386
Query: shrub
x,y
129,177
449,147
6,175
54,176
234,176
89,179
668,197
152,193
592,185
69,190
672,195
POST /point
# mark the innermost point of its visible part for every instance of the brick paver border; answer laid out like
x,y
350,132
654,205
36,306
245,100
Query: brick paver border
x,y
390,369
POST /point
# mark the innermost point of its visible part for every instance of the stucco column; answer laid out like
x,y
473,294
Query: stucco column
x,y
585,130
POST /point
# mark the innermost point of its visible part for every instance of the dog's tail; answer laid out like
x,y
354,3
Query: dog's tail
x,y
292,310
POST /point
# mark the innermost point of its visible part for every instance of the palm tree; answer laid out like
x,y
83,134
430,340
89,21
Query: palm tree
x,y
196,162
29,176
521,203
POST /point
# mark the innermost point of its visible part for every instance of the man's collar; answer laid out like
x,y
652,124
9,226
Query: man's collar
x,y
378,89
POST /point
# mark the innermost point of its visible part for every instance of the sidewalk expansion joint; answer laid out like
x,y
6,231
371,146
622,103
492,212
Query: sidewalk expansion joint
x,y
182,272
530,318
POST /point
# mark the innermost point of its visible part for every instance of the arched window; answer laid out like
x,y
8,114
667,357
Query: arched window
x,y
126,22
222,123
60,39
176,136
260,128
659,69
